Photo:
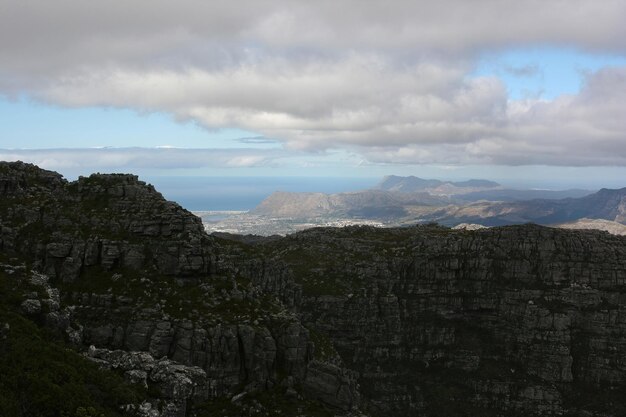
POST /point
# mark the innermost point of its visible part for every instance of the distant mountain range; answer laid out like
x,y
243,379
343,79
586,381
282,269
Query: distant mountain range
x,y
388,200
605,204
463,192
413,184
406,200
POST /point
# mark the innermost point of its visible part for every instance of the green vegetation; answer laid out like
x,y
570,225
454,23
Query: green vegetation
x,y
42,377
208,299
324,348
327,261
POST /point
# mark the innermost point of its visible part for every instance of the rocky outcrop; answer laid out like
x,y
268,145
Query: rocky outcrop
x,y
21,179
109,221
176,383
139,276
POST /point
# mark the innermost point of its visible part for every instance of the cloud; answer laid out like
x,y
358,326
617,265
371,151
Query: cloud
x,y
257,140
389,82
111,159
45,36
523,71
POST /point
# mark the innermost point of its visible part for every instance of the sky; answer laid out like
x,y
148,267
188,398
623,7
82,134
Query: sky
x,y
527,93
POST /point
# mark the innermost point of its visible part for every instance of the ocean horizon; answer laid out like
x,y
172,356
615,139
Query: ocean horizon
x,y
245,193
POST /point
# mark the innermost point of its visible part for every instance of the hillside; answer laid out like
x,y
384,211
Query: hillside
x,y
605,204
364,204
423,320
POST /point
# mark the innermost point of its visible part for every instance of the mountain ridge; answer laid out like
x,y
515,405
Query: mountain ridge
x,y
399,207
412,183
608,204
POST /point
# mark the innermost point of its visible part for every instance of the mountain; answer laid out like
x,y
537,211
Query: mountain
x,y
364,204
519,195
605,204
114,301
413,184
472,190
399,207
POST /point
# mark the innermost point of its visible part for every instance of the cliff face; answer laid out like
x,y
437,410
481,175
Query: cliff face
x,y
522,320
107,221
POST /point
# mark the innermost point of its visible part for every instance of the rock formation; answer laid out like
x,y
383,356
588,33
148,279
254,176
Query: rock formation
x,y
522,320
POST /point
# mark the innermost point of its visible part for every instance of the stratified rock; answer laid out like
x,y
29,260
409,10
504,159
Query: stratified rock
x,y
332,384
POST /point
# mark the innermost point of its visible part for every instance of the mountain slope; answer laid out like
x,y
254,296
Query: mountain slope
x,y
366,204
605,204
505,195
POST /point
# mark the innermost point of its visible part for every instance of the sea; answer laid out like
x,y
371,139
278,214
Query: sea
x,y
245,193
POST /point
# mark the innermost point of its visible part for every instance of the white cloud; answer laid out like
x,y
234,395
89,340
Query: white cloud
x,y
111,159
386,80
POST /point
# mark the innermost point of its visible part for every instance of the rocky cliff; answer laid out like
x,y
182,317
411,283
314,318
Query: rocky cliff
x,y
521,320
137,278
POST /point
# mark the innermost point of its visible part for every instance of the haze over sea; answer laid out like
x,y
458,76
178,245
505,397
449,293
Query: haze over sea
x,y
245,193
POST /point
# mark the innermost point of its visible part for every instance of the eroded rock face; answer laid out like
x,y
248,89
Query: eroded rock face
x,y
121,254
510,320
111,221
176,383
332,384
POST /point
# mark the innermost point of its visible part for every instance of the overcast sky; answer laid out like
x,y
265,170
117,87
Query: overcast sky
x,y
352,88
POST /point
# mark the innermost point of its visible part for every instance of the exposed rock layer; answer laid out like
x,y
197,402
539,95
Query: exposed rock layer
x,y
521,319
